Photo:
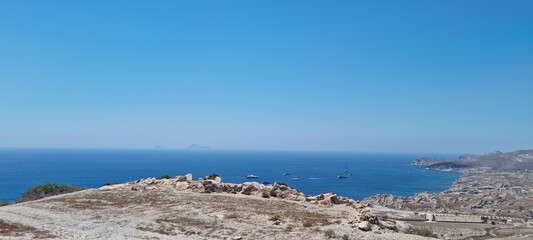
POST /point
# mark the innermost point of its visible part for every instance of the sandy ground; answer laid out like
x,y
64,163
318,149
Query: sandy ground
x,y
120,214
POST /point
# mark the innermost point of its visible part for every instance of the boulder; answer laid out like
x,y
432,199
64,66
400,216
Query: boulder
x,y
188,176
365,226
402,226
149,181
217,180
265,194
216,187
334,200
388,224
151,187
325,202
247,190
181,186
282,195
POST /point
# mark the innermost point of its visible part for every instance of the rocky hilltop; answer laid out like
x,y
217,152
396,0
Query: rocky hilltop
x,y
521,160
206,208
213,184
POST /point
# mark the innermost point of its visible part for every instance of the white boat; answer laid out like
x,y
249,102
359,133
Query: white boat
x,y
252,176
295,179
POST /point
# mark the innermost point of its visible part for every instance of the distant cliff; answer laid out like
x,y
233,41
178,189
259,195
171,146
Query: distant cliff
x,y
521,160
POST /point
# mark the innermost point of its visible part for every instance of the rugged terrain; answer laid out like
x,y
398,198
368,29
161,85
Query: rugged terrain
x,y
493,194
493,198
182,208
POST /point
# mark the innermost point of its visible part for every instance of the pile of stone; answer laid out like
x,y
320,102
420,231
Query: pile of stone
x,y
213,184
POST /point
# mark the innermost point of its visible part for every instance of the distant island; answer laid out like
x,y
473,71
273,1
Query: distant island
x,y
197,147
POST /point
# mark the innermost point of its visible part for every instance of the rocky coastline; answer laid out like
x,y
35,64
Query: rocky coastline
x,y
495,189
484,193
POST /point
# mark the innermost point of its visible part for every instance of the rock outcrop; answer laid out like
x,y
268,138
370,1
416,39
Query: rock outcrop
x,y
214,184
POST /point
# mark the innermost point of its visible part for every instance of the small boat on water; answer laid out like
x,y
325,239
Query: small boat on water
x,y
286,174
252,176
295,179
341,177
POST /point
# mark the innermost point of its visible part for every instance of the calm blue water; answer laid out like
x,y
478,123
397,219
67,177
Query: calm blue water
x,y
372,173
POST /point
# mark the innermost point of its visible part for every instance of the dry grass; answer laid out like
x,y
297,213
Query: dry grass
x,y
172,225
216,213
162,201
17,230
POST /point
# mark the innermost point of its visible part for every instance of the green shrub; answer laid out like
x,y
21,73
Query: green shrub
x,y
275,218
329,233
289,228
345,237
232,216
308,224
109,184
421,231
212,176
46,190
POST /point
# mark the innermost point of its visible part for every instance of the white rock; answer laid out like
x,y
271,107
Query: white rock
x,y
217,180
149,180
189,177
365,226
182,185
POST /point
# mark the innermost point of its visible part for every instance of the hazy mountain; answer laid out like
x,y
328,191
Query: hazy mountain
x,y
197,147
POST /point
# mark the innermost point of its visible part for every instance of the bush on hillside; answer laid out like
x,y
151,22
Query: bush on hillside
x,y
421,231
46,190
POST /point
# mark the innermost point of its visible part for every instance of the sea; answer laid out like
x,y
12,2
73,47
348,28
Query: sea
x,y
367,174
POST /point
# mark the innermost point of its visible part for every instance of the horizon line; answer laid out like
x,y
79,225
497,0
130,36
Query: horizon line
x,y
185,149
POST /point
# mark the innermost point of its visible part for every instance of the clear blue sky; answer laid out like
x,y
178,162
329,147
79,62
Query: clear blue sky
x,y
395,76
